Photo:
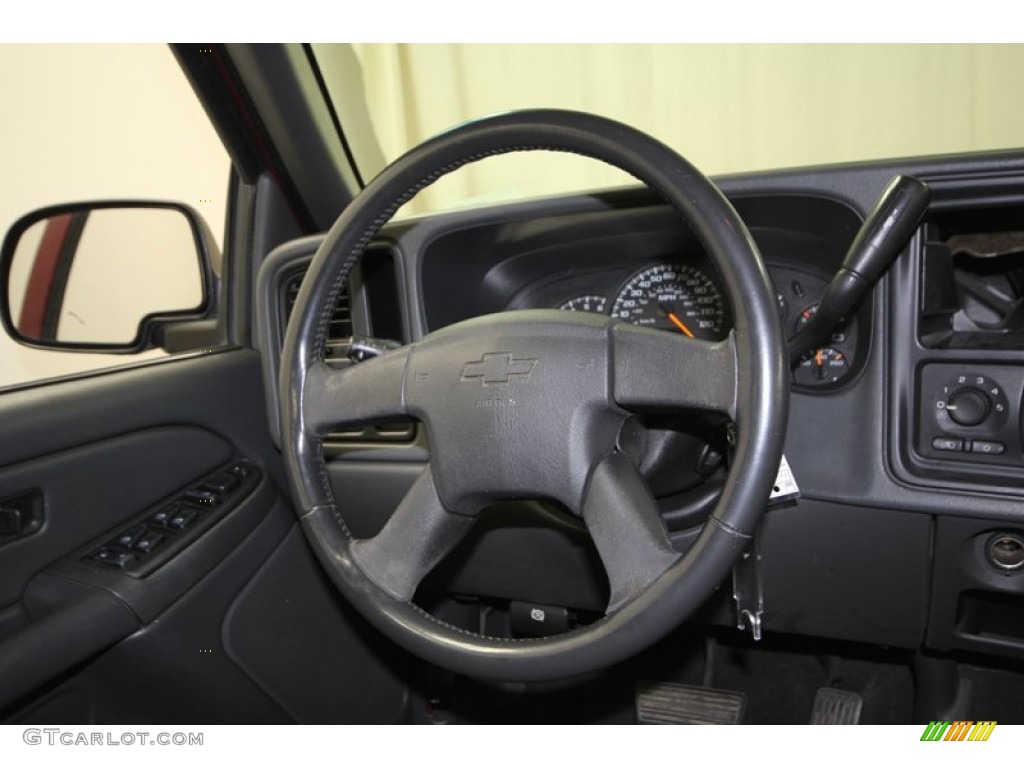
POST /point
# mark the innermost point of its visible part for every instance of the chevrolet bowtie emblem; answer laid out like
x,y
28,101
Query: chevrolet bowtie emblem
x,y
498,368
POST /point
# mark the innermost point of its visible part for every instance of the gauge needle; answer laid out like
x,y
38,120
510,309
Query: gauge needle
x,y
675,320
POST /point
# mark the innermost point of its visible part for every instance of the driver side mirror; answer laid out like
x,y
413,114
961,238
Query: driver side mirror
x,y
110,277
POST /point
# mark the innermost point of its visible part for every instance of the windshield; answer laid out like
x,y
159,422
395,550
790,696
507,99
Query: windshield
x,y
726,108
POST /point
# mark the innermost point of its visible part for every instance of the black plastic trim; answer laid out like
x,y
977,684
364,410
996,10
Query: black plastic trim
x,y
216,79
95,619
961,474
310,159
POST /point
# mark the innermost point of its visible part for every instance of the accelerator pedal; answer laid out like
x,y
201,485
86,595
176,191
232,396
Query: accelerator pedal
x,y
833,706
675,704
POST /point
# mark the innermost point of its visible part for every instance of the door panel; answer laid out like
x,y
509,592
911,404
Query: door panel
x,y
220,393
88,490
92,454
174,670
85,642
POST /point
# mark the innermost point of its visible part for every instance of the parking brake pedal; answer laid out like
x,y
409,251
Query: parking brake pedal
x,y
833,706
675,704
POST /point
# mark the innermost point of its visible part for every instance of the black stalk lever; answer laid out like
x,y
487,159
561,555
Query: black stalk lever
x,y
880,240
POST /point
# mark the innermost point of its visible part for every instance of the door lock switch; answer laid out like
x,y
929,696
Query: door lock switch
x,y
203,496
222,484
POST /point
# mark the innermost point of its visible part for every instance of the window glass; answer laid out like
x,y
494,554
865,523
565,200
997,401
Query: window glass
x,y
725,107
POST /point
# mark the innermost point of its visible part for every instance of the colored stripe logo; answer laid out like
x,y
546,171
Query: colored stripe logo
x,y
958,730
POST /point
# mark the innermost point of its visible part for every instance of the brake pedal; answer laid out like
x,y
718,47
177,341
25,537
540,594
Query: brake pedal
x,y
833,706
676,704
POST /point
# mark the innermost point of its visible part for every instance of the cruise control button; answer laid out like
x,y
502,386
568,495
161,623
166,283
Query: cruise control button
x,y
989,447
183,519
115,559
947,444
149,542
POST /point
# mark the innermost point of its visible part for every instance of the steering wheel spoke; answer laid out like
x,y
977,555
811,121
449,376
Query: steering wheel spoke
x,y
418,535
356,394
629,534
655,370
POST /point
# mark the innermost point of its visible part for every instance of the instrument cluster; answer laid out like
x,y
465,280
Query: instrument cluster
x,y
685,297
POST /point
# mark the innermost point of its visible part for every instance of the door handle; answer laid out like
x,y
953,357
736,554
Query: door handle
x,y
20,516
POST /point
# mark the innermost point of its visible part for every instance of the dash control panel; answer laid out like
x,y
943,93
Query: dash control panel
x,y
164,531
971,413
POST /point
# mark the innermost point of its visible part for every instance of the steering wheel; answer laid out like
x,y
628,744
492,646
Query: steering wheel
x,y
532,404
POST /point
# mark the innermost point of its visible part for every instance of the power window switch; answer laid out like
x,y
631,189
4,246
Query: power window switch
x,y
164,516
128,538
116,559
183,519
149,541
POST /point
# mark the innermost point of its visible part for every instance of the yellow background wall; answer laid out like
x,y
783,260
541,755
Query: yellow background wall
x,y
726,108
88,122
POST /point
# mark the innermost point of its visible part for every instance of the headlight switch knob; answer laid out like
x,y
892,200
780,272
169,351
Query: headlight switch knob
x,y
968,406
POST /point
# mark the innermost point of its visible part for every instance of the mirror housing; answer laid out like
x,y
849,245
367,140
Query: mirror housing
x,y
117,276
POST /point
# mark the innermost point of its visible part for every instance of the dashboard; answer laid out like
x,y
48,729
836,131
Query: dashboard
x,y
642,265
905,427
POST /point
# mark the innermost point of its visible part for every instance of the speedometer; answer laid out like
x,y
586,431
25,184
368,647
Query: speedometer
x,y
675,297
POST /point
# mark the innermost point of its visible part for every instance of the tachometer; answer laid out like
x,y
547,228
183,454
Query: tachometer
x,y
675,297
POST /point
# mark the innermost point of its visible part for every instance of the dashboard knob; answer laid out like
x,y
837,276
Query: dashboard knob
x,y
968,406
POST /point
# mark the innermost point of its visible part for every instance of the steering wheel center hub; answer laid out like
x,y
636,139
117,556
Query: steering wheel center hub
x,y
517,405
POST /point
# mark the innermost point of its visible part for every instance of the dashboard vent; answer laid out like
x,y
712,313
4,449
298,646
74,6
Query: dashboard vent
x,y
340,328
338,335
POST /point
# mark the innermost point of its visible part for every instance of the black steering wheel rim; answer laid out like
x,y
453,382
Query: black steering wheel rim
x,y
759,407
